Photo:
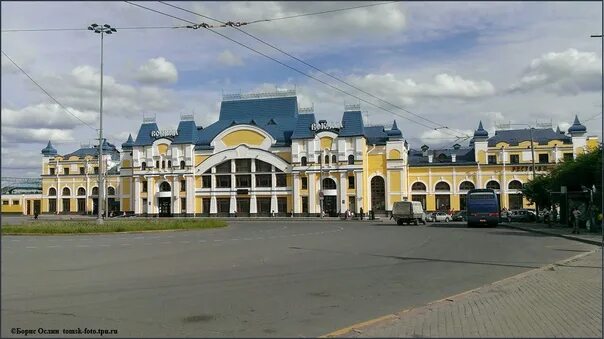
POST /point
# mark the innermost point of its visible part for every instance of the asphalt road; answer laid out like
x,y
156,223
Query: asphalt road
x,y
254,279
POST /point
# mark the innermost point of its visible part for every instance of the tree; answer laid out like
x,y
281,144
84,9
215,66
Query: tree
x,y
537,190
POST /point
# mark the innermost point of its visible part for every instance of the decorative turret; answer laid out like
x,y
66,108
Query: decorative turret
x,y
128,144
480,133
558,130
394,131
49,150
577,129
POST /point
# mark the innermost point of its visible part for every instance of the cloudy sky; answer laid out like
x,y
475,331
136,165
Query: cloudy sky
x,y
449,64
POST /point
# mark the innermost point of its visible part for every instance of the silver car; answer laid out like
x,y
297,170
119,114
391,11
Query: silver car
x,y
442,216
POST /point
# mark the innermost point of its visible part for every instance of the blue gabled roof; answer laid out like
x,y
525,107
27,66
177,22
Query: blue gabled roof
x,y
376,135
264,108
143,138
108,148
302,127
187,133
442,157
516,136
352,124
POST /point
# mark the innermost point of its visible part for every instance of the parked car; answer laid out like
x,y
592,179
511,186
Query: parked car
x,y
460,216
429,217
408,212
521,215
442,216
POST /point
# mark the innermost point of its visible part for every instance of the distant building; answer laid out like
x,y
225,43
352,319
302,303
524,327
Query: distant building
x,y
266,155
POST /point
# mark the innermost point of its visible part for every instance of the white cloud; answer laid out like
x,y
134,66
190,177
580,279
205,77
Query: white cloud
x,y
46,115
21,160
35,135
227,57
157,71
565,73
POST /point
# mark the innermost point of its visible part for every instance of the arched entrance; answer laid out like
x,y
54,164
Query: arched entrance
x,y
378,194
165,203
330,197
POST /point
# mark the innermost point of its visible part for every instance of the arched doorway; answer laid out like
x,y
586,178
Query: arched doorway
x,y
378,194
330,197
165,202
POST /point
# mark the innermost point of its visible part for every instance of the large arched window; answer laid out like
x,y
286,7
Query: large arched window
x,y
329,184
442,186
515,185
95,191
494,185
110,191
182,164
169,163
378,194
81,191
143,165
351,159
66,191
327,160
52,191
157,164
334,159
303,161
418,186
164,187
466,186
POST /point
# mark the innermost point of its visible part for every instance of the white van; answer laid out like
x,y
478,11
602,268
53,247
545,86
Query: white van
x,y
408,212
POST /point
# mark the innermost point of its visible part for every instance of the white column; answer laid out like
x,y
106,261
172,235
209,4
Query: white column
x,y
253,204
137,198
274,205
387,190
213,207
359,188
190,182
175,195
233,203
343,187
297,205
312,192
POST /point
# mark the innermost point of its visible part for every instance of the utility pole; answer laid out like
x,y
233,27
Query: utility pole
x,y
105,29
321,196
602,151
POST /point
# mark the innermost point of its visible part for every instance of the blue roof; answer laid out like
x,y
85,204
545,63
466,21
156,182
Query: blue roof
x,y
376,135
187,133
264,108
516,136
577,127
49,150
443,157
481,132
394,131
108,148
302,128
352,124
128,144
143,138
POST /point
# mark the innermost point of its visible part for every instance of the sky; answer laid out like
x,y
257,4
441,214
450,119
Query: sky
x,y
432,64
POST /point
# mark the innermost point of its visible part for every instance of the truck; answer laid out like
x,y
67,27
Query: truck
x,y
408,212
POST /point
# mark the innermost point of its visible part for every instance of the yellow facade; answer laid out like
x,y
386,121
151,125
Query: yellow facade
x,y
246,137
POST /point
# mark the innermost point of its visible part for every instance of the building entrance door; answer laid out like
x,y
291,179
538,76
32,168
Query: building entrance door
x,y
243,207
330,205
164,207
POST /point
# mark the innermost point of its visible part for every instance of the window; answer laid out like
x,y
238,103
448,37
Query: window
x,y
52,191
514,158
568,156
243,181
95,191
96,170
334,159
494,185
52,205
110,191
163,164
492,159
5,202
262,166
329,184
66,191
319,159
157,164
223,181
15,202
418,186
350,182
183,205
327,160
169,163
66,171
304,204
51,171
183,185
182,165
243,165
281,182
143,165
81,191
282,204
206,181
165,187
225,167
515,185
543,158
351,159
466,186
304,183
442,186
144,186
82,170
303,161
263,180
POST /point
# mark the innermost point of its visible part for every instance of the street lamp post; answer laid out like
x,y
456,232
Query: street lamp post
x,y
102,30
532,155
602,151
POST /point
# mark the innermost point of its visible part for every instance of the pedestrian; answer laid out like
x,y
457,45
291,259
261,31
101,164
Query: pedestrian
x,y
576,213
361,211
273,213
36,215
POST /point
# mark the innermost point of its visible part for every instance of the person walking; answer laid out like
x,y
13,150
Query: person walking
x,y
576,213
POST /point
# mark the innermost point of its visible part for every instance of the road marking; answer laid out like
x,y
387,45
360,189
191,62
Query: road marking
x,y
165,242
216,240
235,239
53,246
139,237
184,241
105,245
125,244
201,240
15,240
148,243
82,245
30,247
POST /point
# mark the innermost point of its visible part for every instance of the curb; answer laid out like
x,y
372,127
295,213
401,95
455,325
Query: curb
x,y
397,315
570,237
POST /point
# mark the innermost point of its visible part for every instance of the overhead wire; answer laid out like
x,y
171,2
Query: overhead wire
x,y
46,92
195,26
86,29
438,125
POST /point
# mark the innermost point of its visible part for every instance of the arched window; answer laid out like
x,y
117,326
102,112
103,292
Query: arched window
x,y
157,164
164,187
351,159
418,186
52,191
329,184
66,191
466,186
163,164
515,185
378,194
144,165
110,191
169,163
95,191
327,160
81,191
303,161
494,185
334,159
182,164
442,186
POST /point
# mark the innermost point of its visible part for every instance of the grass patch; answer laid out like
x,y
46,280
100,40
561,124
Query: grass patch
x,y
110,226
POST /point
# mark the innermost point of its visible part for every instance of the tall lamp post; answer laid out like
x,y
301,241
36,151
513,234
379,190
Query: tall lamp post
x,y
601,150
532,156
102,30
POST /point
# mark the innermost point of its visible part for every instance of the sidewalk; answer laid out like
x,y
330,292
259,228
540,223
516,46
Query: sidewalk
x,y
560,231
560,300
